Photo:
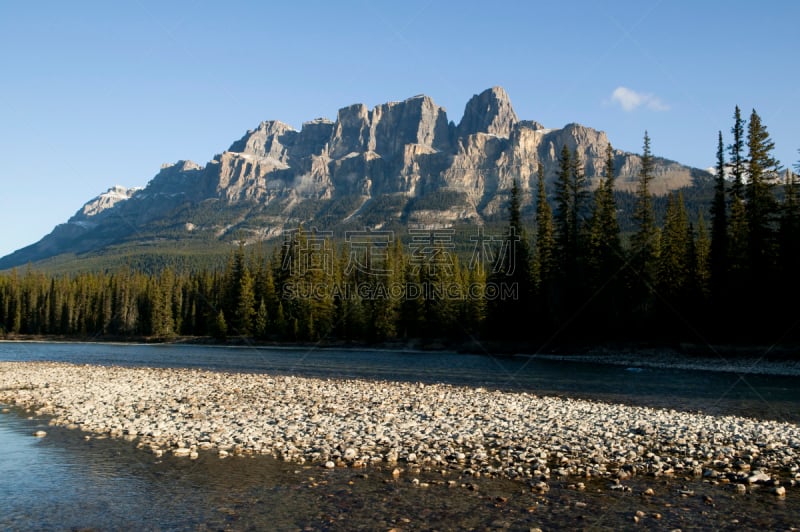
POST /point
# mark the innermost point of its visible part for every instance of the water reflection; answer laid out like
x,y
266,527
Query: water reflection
x,y
63,482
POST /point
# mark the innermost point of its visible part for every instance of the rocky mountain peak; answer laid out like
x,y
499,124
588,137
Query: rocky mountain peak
x,y
181,166
269,139
313,137
104,201
351,130
417,120
488,112
388,128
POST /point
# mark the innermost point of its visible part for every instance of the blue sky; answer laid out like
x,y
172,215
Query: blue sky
x,y
94,94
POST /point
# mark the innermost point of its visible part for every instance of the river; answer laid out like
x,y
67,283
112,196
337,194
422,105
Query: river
x,y
64,481
759,396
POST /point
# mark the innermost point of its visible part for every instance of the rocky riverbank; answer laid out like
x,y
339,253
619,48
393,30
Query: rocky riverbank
x,y
403,426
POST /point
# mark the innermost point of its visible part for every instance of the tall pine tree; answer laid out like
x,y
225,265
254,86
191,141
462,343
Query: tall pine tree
x,y
544,255
788,241
674,261
509,313
762,172
736,151
605,248
644,242
605,253
719,229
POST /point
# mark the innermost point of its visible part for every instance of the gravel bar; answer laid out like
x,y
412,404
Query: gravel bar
x,y
405,426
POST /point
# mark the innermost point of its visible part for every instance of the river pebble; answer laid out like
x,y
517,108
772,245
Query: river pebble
x,y
359,423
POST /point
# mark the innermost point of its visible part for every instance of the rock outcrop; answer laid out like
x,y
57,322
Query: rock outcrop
x,y
268,141
488,112
95,207
410,148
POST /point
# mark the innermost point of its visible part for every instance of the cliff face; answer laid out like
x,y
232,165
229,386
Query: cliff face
x,y
410,148
488,112
382,161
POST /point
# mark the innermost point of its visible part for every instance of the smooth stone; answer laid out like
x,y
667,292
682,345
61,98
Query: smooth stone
x,y
758,477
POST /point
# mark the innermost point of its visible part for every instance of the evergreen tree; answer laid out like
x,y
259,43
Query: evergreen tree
x,y
571,195
55,308
66,315
737,287
674,258
204,303
220,331
342,296
245,304
162,323
605,254
265,290
411,306
281,326
644,242
475,302
508,314
386,301
438,309
605,248
566,215
736,151
231,275
516,258
719,229
788,240
738,258
762,171
701,265
321,276
544,256
291,284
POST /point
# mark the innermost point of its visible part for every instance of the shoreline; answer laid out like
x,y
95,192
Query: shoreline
x,y
356,423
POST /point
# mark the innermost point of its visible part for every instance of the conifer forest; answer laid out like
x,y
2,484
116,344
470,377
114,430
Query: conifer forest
x,y
566,275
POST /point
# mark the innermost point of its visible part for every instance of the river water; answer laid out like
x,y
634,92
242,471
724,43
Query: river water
x,y
64,481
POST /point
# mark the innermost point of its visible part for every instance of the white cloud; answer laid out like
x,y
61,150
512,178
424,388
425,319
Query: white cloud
x,y
630,100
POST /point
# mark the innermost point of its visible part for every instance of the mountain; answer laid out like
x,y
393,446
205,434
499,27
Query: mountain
x,y
398,163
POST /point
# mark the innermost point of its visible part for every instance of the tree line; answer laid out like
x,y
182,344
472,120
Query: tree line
x,y
568,277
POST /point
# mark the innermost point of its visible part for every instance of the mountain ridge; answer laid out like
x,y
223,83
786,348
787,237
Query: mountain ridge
x,y
399,162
